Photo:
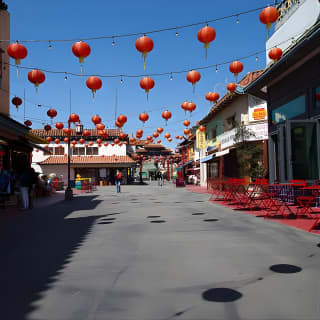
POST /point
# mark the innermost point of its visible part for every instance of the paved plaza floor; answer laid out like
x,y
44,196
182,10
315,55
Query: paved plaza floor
x,y
152,253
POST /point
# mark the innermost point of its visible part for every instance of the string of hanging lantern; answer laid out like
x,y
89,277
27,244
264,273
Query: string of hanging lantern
x,y
127,35
159,74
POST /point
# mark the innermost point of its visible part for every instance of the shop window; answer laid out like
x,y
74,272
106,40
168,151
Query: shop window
x,y
214,133
317,97
78,151
289,110
59,151
92,151
230,122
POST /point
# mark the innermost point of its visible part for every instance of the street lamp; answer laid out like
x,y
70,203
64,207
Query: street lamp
x,y
79,129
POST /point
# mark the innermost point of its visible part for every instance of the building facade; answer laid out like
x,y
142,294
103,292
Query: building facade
x,y
92,159
291,87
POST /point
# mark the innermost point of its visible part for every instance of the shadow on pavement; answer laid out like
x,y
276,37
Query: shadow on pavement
x,y
35,248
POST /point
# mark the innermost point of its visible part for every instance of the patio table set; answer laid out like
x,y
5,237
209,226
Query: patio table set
x,y
293,200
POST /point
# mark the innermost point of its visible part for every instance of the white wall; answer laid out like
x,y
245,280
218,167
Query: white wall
x,y
303,18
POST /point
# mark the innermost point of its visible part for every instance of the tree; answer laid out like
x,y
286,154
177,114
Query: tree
x,y
249,153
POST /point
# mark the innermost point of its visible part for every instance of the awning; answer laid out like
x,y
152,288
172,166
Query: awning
x,y
207,158
222,153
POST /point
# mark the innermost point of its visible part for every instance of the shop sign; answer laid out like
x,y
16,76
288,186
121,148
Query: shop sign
x,y
201,139
191,153
213,146
258,113
260,131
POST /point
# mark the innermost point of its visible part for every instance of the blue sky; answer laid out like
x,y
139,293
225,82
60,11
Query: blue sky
x,y
80,19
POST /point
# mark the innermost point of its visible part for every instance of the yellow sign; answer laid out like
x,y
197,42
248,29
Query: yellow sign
x,y
201,139
259,114
191,153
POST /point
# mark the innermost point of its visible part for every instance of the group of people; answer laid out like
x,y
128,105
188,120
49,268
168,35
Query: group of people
x,y
24,183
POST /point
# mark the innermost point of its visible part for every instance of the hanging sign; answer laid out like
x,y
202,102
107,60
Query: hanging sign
x,y
201,139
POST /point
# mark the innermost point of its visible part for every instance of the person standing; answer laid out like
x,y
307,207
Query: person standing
x,y
25,184
118,180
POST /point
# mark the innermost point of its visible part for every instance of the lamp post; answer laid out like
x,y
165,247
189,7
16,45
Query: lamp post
x,y
79,129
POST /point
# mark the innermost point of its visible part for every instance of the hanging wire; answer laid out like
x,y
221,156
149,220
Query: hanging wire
x,y
145,32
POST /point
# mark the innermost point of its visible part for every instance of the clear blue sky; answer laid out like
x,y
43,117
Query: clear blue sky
x,y
79,19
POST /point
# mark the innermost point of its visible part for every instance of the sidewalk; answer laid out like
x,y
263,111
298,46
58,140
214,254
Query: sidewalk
x,y
302,224
38,203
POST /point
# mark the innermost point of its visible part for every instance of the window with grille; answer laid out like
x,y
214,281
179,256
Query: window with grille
x,y
78,151
91,151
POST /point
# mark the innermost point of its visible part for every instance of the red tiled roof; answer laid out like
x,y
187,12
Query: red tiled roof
x,y
87,159
228,97
60,133
153,145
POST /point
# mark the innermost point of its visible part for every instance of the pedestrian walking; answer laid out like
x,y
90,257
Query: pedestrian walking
x,y
118,180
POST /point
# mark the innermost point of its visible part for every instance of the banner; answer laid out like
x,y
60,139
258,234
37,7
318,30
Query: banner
x,y
201,139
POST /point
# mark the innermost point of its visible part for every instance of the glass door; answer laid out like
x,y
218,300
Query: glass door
x,y
302,137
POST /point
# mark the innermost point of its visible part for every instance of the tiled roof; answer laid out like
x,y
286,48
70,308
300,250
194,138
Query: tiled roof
x,y
87,159
160,146
228,97
141,150
60,133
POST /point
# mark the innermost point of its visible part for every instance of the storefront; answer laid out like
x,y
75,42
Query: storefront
x,y
293,87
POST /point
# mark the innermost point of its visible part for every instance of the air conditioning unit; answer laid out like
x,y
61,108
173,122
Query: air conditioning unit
x,y
244,118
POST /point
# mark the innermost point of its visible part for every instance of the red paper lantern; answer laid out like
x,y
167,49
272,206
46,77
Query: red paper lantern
x,y
213,97
96,119
67,131
99,141
206,35
132,140
159,141
100,126
28,123
236,67
74,142
81,50
57,141
149,138
186,123
17,51
86,133
177,137
144,45
180,137
74,118
119,124
186,131
52,113
116,141
139,133
90,143
166,115
59,125
268,16
106,144
122,119
167,135
169,139
94,83
202,128
191,106
156,134
16,101
275,54
193,76
231,87
47,127
66,140
48,139
122,135
143,117
82,141
36,77
147,84
160,130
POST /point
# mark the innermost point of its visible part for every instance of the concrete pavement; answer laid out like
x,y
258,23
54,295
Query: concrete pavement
x,y
154,253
